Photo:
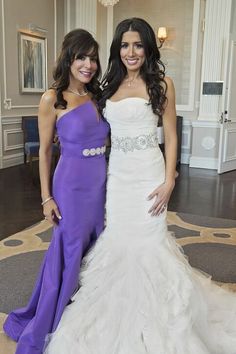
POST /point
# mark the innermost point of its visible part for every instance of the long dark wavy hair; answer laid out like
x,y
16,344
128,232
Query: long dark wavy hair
x,y
152,70
76,44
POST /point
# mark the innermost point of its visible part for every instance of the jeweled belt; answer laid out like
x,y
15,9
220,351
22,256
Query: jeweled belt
x,y
91,149
94,151
140,142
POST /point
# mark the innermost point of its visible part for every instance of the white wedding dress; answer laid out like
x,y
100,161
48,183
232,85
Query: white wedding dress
x,y
138,293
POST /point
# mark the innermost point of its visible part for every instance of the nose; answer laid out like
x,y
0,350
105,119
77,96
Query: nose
x,y
131,51
88,62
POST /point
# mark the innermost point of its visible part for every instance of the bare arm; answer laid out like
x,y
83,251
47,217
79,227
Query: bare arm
x,y
46,122
162,193
169,125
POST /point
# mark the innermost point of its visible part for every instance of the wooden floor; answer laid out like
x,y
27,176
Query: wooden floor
x,y
20,199
204,192
197,191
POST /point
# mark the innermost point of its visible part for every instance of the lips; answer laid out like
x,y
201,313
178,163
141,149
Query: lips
x,y
86,74
132,61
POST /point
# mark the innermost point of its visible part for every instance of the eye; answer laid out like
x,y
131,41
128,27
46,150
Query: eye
x,y
124,45
94,59
139,45
80,57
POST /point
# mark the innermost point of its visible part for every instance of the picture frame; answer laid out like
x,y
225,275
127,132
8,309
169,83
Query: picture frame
x,y
32,62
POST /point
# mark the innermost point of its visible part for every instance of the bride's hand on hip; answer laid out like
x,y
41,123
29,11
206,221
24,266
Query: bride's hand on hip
x,y
162,195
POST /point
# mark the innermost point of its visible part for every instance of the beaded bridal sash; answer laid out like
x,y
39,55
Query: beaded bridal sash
x,y
140,142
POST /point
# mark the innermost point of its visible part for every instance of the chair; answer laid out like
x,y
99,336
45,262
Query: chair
x,y
31,140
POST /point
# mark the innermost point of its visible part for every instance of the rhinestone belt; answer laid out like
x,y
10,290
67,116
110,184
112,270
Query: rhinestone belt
x,y
140,142
94,151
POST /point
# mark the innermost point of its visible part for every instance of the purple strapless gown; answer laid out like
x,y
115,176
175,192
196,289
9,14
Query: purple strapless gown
x,y
79,189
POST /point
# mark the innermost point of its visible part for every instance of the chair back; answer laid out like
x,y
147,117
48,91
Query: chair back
x,y
30,128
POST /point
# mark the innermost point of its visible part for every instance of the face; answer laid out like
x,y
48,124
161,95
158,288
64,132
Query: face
x,y
83,69
132,52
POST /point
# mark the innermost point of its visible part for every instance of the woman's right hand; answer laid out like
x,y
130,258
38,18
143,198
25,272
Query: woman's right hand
x,y
51,212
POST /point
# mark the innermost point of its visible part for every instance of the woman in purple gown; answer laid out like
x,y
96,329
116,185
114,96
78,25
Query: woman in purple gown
x,y
76,204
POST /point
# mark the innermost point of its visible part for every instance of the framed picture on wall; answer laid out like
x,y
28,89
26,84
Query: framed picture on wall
x,y
32,63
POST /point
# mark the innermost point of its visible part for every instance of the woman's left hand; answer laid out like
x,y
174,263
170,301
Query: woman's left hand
x,y
162,195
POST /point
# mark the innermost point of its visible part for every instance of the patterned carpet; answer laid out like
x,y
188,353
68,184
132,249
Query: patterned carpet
x,y
209,243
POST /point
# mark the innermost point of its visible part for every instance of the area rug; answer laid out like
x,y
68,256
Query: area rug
x,y
209,243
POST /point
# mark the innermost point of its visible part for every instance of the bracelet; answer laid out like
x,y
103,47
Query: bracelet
x,y
46,200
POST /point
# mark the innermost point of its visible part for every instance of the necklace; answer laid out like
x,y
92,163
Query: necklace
x,y
129,82
83,93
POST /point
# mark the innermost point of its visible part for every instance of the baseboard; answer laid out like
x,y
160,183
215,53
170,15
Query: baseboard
x,y
185,157
204,162
12,160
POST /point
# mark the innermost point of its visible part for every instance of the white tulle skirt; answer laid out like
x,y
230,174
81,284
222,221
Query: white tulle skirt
x,y
138,293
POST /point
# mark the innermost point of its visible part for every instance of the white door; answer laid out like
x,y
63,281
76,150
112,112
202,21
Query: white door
x,y
227,147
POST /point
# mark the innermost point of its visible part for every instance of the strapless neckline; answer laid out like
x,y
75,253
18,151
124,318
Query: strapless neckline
x,y
129,98
72,110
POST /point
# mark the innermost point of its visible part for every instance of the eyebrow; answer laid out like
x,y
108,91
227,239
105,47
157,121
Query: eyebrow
x,y
92,55
134,42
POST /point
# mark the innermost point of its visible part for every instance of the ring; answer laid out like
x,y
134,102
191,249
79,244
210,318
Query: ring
x,y
45,218
164,206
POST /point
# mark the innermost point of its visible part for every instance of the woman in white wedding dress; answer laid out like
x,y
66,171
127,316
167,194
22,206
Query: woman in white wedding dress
x,y
138,294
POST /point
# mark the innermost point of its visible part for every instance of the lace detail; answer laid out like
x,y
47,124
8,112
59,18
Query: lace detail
x,y
140,142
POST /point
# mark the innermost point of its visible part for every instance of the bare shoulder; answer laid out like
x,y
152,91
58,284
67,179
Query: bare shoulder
x,y
48,97
170,89
47,111
169,83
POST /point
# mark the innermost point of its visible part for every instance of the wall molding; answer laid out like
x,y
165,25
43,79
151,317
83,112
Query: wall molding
x,y
193,65
187,131
86,15
110,17
18,117
11,120
67,10
55,31
6,133
210,117
208,142
218,15
227,133
205,124
186,141
13,160
185,158
204,162
187,135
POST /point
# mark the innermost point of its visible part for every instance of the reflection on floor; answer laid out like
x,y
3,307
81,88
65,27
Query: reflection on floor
x,y
204,192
